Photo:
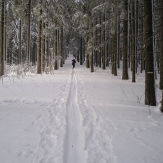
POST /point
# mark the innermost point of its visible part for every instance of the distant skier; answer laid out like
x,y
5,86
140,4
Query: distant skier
x,y
73,63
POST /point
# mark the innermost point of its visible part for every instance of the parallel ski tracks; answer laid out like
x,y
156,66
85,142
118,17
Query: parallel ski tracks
x,y
75,137
85,127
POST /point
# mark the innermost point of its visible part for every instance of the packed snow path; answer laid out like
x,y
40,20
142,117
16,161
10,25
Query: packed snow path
x,y
75,137
85,128
74,116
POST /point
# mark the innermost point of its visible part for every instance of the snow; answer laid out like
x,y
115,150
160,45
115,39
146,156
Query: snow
x,y
74,116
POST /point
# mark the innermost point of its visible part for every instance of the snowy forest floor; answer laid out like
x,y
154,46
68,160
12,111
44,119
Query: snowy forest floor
x,y
74,116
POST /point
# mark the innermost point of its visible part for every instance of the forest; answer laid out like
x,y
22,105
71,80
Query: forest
x,y
39,35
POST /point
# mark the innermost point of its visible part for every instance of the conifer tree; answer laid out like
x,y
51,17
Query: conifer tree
x,y
39,45
2,38
150,98
125,43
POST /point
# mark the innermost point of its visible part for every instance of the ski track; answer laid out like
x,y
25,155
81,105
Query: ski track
x,y
73,131
75,152
98,143
87,140
52,131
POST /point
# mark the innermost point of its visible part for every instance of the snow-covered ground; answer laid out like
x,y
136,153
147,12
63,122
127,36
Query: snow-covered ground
x,y
74,116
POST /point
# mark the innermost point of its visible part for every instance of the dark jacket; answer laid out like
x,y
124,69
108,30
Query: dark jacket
x,y
73,62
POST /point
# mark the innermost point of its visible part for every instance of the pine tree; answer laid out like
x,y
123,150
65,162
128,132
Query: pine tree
x,y
133,55
2,38
61,47
161,45
125,44
29,32
161,52
55,48
39,41
150,98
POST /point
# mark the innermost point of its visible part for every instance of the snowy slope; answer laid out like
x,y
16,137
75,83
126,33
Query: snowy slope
x,y
74,116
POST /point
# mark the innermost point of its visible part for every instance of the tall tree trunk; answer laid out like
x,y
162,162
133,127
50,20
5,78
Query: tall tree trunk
x,y
150,98
39,45
107,51
61,47
118,40
81,51
43,49
100,33
103,42
125,45
92,48
20,42
114,54
2,38
86,47
136,35
129,36
29,32
96,44
87,56
133,41
161,45
142,39
161,51
55,49
5,35
47,55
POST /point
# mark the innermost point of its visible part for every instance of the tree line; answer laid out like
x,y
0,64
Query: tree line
x,y
105,33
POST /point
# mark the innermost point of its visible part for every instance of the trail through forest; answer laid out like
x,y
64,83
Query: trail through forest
x,y
74,116
75,135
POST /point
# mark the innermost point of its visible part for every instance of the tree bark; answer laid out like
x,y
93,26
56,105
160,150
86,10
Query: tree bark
x,y
133,42
2,38
161,52
81,51
125,45
118,40
103,42
47,55
87,57
92,48
150,98
5,34
55,49
29,32
137,57
161,45
43,49
100,51
114,54
87,54
61,47
20,41
39,45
